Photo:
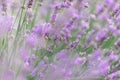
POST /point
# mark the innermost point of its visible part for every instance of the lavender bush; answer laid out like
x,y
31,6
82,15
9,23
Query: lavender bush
x,y
59,40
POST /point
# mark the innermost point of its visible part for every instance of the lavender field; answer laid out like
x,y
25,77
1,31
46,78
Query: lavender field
x,y
59,39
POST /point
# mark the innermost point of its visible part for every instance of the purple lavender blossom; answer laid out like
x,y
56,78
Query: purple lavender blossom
x,y
59,40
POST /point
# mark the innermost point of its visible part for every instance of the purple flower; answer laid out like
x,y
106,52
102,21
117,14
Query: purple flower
x,y
8,75
31,40
114,75
84,25
5,24
24,53
102,35
109,2
118,20
104,67
79,61
99,8
68,73
57,7
42,65
46,28
114,30
117,43
41,76
37,29
62,54
42,29
97,53
34,72
113,57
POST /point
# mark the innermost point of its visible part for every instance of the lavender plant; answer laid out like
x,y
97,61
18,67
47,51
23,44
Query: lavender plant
x,y
59,39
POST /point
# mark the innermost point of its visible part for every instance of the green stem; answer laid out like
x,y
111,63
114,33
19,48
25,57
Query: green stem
x,y
16,38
